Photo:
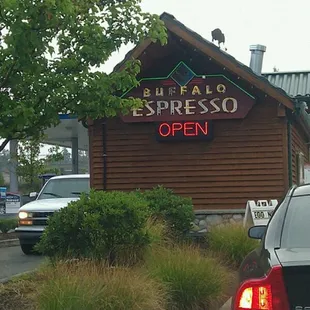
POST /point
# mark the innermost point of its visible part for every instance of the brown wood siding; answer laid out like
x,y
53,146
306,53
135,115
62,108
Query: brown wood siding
x,y
246,160
92,131
299,144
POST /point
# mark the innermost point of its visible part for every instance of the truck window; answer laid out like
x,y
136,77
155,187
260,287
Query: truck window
x,y
65,188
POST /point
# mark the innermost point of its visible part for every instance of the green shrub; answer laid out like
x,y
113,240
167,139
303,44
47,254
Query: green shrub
x,y
176,211
7,224
192,281
103,225
231,241
90,286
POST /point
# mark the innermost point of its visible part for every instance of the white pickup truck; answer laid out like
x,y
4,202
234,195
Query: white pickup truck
x,y
55,194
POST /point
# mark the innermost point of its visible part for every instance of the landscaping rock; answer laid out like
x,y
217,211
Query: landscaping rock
x,y
195,228
196,222
204,222
214,219
237,217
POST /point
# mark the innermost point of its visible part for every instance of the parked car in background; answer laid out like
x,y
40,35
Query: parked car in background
x,y
276,276
56,193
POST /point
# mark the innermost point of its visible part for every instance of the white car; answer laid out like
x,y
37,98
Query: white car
x,y
55,194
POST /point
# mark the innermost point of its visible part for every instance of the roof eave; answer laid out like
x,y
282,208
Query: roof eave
x,y
133,54
213,51
217,54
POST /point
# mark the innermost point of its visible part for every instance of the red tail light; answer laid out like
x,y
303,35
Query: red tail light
x,y
266,293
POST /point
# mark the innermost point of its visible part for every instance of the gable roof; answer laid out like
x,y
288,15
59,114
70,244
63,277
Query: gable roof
x,y
213,51
293,83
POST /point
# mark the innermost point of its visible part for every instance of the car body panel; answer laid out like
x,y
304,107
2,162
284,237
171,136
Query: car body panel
x,y
294,256
295,262
53,204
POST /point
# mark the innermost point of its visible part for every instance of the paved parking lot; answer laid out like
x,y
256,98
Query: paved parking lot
x,y
13,261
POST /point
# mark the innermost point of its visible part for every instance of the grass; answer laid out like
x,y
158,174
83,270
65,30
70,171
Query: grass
x,y
170,277
91,286
231,242
192,281
20,293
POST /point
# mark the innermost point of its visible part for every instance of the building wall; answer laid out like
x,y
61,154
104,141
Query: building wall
x,y
246,160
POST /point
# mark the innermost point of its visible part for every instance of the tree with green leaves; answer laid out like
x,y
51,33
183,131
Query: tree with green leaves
x,y
50,54
31,164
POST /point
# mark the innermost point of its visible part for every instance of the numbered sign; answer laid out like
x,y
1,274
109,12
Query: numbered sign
x,y
259,213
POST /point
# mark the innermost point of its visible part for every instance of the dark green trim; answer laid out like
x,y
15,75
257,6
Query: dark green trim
x,y
196,75
289,149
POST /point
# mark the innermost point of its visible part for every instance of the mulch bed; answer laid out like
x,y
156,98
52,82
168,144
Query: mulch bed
x,y
8,236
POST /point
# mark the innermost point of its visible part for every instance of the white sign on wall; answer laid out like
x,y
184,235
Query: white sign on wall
x,y
259,213
307,173
12,203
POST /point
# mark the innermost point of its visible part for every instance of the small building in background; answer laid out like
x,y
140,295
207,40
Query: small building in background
x,y
213,129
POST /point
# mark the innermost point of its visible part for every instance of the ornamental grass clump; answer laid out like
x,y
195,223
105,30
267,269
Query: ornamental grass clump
x,y
192,280
231,242
91,285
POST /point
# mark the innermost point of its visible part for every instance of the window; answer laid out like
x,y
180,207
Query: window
x,y
296,228
300,167
65,188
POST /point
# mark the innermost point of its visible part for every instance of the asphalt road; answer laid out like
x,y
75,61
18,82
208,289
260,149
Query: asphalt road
x,y
13,262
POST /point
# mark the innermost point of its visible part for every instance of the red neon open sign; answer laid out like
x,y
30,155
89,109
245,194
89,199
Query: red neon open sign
x,y
186,130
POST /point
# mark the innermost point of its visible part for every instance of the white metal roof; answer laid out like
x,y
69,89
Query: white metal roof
x,y
72,176
293,83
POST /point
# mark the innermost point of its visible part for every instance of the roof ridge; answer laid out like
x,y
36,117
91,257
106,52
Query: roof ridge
x,y
228,60
287,72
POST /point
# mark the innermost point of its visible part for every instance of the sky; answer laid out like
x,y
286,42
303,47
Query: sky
x,y
280,25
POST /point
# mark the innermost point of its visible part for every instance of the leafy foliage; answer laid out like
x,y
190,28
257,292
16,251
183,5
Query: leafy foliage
x,y
176,211
50,55
7,224
103,225
30,165
4,160
231,241
2,180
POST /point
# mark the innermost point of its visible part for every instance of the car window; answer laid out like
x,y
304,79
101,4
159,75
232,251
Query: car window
x,y
65,188
296,230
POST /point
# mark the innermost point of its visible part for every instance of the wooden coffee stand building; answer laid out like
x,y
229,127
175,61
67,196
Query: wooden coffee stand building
x,y
212,129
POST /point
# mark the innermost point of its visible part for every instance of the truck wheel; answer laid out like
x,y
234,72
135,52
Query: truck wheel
x,y
27,248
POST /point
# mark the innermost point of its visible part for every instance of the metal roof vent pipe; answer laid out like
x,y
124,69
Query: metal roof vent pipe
x,y
257,55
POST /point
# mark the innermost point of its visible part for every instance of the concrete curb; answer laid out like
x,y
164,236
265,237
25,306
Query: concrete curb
x,y
9,243
227,305
6,280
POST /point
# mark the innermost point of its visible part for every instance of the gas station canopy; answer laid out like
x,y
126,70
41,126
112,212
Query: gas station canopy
x,y
67,132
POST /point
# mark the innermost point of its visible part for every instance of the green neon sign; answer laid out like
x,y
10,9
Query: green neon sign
x,y
182,74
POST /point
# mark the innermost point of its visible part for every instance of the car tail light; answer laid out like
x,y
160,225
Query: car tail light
x,y
266,293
